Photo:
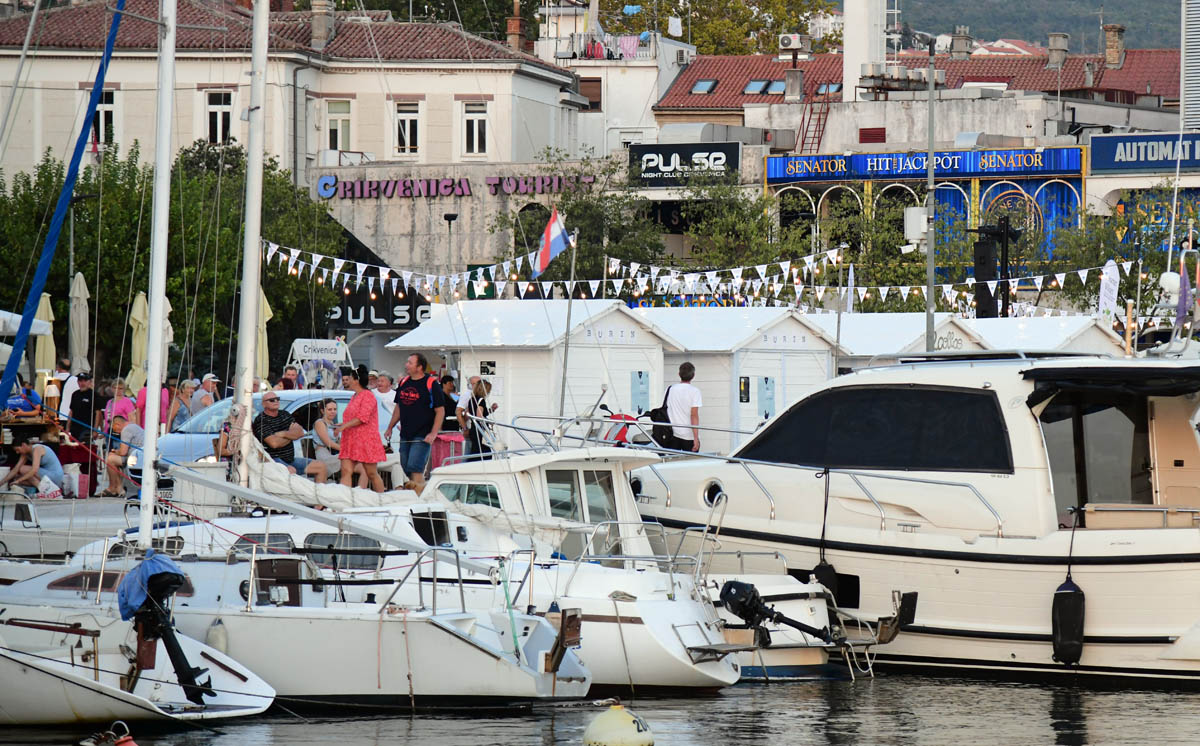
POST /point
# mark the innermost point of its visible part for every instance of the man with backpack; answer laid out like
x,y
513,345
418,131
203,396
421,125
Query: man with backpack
x,y
420,409
682,402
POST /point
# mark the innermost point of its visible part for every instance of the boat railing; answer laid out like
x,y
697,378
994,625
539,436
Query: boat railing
x,y
433,554
670,563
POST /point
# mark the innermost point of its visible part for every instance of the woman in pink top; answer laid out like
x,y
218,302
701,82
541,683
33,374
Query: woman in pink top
x,y
359,430
163,410
119,405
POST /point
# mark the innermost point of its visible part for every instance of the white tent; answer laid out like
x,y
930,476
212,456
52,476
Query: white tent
x,y
10,321
751,362
1049,333
518,346
865,336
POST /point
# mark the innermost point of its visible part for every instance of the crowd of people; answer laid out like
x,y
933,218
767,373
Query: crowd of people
x,y
109,417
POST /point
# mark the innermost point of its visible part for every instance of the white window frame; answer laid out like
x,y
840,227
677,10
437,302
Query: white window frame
x,y
105,111
340,123
413,115
218,109
475,123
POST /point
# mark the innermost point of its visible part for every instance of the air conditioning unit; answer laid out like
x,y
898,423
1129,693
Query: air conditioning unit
x,y
795,43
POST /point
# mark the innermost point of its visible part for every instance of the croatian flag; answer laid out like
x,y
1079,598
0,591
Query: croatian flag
x,y
554,242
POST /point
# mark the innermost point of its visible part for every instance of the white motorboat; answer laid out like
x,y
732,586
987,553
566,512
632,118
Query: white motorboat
x,y
959,480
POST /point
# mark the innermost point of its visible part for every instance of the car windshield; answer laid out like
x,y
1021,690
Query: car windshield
x,y
209,420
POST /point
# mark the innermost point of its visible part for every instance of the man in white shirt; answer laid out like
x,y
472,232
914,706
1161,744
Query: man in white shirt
x,y
68,384
683,410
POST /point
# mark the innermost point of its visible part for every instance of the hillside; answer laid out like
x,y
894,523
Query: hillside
x,y
1148,23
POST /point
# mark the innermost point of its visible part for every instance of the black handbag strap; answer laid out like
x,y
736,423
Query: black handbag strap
x,y
668,393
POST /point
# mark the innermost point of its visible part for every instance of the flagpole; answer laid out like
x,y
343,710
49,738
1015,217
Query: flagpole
x,y
562,390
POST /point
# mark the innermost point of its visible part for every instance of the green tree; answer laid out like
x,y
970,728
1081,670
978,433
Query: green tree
x,y
724,26
112,239
612,220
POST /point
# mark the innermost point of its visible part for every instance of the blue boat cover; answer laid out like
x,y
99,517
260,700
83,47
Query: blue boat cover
x,y
131,593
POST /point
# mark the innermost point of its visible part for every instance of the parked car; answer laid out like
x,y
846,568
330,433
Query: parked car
x,y
195,439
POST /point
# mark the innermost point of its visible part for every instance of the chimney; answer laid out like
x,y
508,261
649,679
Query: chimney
x,y
516,28
1057,51
793,85
960,43
1089,75
322,23
282,6
1114,45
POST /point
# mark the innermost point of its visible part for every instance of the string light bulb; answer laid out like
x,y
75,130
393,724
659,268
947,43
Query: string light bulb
x,y
321,280
346,290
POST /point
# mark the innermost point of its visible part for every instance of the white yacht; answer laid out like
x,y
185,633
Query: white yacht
x,y
959,481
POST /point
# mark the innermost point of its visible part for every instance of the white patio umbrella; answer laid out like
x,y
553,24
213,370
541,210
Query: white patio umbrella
x,y
261,358
78,344
43,351
139,324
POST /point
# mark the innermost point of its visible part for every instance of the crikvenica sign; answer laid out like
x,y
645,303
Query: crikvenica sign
x,y
671,165
1147,153
947,164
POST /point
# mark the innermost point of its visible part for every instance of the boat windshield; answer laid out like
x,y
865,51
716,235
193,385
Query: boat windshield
x,y
209,420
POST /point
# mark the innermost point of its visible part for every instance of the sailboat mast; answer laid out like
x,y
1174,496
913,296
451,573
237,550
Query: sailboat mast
x,y
252,247
158,264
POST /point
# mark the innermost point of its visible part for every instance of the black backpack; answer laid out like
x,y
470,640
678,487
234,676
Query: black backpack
x,y
661,430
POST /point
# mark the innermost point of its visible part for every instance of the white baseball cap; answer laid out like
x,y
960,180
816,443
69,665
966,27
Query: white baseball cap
x,y
210,377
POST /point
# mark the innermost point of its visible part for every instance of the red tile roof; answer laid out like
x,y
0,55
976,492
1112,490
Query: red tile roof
x,y
1159,68
85,26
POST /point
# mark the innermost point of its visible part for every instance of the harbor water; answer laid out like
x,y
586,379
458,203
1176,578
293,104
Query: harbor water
x,y
899,710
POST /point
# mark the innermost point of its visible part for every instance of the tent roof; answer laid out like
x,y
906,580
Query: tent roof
x,y
10,321
718,328
532,324
1035,333
869,334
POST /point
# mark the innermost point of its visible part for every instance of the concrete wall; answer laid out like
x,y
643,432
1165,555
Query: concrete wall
x,y
1023,115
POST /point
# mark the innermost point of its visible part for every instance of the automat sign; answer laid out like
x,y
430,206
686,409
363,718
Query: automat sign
x,y
670,165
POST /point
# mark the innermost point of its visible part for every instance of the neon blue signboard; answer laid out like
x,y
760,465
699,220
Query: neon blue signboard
x,y
947,164
1146,153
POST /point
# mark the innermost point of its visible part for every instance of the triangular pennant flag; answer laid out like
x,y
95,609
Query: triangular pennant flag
x,y
819,291
614,265
762,270
479,288
617,285
1037,281
271,249
1061,277
520,262
571,288
904,289
808,263
337,267
345,280
324,275
948,293
737,274
1083,273
407,277
546,288
862,293
395,286
634,267
293,255
501,283
992,287
371,285
786,267
654,272
531,257
712,278
1127,266
594,285
831,255
507,267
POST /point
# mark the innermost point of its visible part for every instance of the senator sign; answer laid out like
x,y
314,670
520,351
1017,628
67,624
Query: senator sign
x,y
671,165
1153,153
947,164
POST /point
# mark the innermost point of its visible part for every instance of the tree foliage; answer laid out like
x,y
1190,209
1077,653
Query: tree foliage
x,y
112,239
724,26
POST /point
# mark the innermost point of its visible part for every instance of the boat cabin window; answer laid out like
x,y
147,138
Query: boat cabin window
x,y
172,545
280,543
562,485
910,428
601,498
342,541
470,494
88,580
1098,446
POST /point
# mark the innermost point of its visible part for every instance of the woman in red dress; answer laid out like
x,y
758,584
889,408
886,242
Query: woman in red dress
x,y
359,430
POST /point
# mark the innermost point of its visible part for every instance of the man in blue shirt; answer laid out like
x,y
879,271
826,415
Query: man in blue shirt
x,y
25,402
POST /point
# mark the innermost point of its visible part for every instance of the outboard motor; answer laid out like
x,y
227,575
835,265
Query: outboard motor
x,y
142,596
745,602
